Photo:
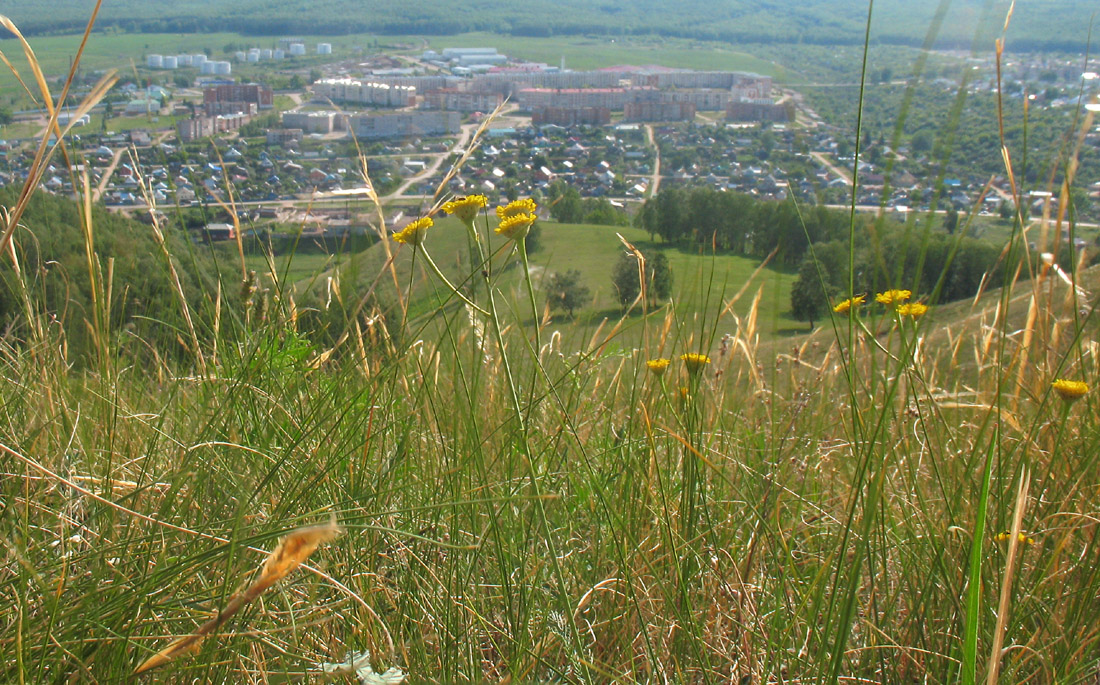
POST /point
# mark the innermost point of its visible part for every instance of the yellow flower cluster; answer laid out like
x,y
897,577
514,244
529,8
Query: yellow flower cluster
x,y
912,309
847,305
413,234
515,227
466,208
693,362
524,206
893,297
1006,536
1070,391
658,366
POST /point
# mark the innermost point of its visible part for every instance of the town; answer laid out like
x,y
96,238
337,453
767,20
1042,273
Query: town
x,y
186,133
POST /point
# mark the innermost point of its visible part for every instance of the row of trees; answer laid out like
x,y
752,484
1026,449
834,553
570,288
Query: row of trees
x,y
739,223
935,266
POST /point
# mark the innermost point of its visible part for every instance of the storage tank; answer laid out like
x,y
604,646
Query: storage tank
x,y
298,49
265,53
324,48
278,54
170,62
253,56
198,60
183,60
206,68
240,56
154,62
223,68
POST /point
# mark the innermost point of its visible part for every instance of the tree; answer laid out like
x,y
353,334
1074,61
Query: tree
x,y
5,116
624,278
566,205
565,291
951,220
809,300
660,277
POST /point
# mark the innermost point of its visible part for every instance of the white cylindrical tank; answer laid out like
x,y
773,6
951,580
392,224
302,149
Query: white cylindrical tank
x,y
198,60
254,56
170,62
298,49
183,60
278,54
154,62
240,56
206,68
324,48
265,53
223,68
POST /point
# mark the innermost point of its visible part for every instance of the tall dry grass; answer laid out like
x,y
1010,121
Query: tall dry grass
x,y
893,500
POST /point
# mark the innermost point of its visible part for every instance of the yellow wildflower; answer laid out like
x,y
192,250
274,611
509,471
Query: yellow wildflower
x,y
1022,538
515,227
1070,391
913,309
846,306
413,234
658,366
466,208
893,296
694,362
524,206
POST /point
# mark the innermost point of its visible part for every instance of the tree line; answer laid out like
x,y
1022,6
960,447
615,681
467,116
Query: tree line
x,y
738,223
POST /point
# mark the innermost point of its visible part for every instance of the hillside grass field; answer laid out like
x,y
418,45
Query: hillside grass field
x,y
403,471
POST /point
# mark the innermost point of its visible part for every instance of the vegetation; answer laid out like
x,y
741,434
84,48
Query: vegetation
x,y
820,22
396,464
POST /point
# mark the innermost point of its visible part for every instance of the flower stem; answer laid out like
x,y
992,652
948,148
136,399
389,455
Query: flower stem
x,y
440,276
531,293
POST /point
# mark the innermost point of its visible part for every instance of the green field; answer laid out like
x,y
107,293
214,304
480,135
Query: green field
x,y
703,284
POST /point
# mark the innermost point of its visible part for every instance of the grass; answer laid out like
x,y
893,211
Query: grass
x,y
535,504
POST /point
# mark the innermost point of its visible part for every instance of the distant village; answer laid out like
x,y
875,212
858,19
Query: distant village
x,y
618,133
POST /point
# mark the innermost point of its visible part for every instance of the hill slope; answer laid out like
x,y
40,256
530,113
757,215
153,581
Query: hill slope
x,y
829,22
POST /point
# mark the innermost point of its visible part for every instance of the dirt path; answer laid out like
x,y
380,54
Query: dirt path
x,y
107,174
655,177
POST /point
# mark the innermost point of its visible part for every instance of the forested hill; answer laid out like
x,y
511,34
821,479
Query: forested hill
x,y
1036,25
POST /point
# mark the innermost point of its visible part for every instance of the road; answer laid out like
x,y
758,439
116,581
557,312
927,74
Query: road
x,y
655,177
842,173
465,133
107,174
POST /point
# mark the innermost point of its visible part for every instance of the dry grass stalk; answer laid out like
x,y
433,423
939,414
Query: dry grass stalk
x,y
291,552
45,151
995,653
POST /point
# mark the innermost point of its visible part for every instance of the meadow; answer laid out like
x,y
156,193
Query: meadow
x,y
408,472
